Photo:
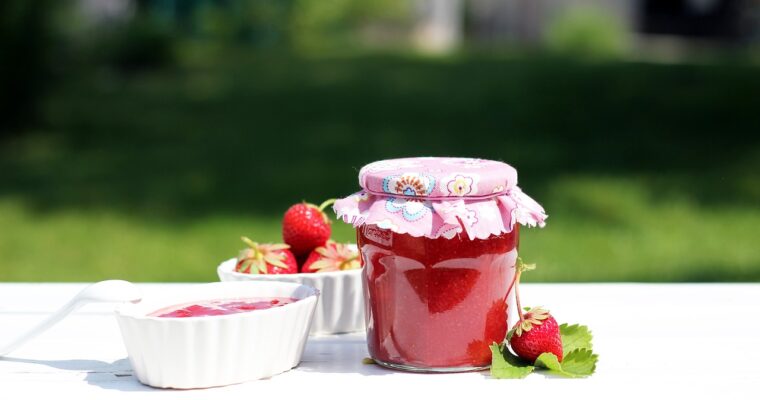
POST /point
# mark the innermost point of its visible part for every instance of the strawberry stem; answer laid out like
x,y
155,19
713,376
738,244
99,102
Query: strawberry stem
x,y
520,266
512,284
517,294
249,242
325,204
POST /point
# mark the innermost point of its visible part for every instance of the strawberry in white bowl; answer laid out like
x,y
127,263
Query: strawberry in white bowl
x,y
332,268
332,257
266,259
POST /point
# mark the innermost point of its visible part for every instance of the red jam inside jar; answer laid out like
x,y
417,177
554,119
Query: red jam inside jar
x,y
438,239
435,304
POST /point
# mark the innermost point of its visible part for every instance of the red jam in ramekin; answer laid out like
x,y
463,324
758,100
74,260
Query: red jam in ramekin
x,y
435,303
220,307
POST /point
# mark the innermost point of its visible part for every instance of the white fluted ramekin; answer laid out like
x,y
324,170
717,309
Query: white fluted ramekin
x,y
200,352
341,303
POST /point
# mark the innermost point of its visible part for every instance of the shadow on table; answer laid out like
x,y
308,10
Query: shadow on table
x,y
339,354
117,375
343,354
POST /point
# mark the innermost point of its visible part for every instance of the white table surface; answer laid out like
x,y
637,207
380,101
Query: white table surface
x,y
690,340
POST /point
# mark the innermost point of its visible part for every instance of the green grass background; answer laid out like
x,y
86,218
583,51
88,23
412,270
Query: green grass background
x,y
649,172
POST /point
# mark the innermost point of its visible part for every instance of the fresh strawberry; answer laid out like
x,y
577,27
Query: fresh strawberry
x,y
266,259
306,227
331,257
537,332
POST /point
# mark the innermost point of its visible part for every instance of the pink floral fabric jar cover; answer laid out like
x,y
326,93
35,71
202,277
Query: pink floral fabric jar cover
x,y
433,197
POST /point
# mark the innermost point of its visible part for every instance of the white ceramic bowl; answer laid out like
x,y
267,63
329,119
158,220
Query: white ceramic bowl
x,y
341,303
199,352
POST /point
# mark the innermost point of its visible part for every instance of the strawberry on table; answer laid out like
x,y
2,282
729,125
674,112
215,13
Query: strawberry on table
x,y
305,227
266,259
537,332
539,342
331,257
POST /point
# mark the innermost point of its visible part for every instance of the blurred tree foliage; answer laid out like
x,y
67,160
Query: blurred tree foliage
x,y
42,39
587,32
256,22
315,24
300,25
139,44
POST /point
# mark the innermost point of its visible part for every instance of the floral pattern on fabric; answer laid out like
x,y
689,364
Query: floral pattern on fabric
x,y
417,217
387,224
470,218
409,184
448,231
437,177
461,185
410,209
440,197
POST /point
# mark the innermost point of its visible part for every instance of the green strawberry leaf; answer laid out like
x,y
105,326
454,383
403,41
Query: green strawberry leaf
x,y
575,337
505,365
578,363
549,361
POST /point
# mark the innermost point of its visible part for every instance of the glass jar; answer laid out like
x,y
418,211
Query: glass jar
x,y
435,304
438,242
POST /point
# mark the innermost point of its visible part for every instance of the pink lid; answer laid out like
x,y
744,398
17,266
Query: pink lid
x,y
434,177
433,196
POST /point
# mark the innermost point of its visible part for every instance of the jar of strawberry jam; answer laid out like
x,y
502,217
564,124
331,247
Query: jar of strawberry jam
x,y
438,241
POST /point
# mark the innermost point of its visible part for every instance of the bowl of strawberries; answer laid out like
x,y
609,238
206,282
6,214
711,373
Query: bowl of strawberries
x,y
308,256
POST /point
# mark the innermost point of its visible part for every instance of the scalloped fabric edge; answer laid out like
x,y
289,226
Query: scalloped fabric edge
x,y
478,219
